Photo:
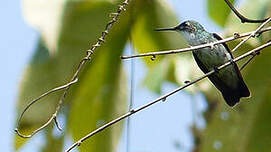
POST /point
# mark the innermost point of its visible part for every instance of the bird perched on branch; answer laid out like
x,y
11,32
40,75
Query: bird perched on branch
x,y
228,80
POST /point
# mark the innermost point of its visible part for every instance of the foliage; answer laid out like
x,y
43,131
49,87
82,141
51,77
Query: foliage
x,y
71,26
66,33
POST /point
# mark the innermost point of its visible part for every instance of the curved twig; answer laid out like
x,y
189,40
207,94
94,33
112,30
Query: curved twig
x,y
90,52
241,17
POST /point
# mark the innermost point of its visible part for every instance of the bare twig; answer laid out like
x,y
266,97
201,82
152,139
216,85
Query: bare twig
x,y
235,37
241,17
164,97
36,100
90,52
252,34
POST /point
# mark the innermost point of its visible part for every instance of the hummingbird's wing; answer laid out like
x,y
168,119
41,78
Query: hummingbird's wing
x,y
244,91
231,96
224,44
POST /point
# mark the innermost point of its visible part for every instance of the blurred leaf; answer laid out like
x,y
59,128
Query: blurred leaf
x,y
18,141
149,16
80,25
45,16
39,77
101,93
53,143
186,70
157,75
219,11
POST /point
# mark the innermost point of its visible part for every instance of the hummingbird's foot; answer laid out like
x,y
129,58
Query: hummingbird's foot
x,y
212,46
187,81
216,70
231,61
256,53
236,35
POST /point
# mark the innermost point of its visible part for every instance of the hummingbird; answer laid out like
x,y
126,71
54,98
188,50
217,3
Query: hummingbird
x,y
228,80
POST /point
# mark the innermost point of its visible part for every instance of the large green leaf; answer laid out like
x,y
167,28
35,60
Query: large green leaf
x,y
219,11
40,76
101,93
149,16
79,25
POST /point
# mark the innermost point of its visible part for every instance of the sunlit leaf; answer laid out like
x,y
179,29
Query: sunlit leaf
x,y
40,76
101,93
218,10
157,75
151,15
53,143
54,63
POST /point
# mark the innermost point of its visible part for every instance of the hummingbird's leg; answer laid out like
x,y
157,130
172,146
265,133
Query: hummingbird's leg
x,y
236,35
212,46
216,70
187,81
231,61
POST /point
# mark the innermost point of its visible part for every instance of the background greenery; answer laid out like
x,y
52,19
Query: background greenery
x,y
68,28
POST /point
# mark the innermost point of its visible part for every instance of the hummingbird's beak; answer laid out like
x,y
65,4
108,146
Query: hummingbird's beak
x,y
166,29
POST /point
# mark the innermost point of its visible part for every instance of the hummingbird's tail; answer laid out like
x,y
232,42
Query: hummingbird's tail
x,y
232,96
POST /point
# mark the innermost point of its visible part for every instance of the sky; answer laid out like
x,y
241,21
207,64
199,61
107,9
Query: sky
x,y
156,129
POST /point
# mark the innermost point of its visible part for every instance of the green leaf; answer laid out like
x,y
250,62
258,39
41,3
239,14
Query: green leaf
x,y
53,143
186,69
79,25
157,75
149,16
40,76
101,93
219,11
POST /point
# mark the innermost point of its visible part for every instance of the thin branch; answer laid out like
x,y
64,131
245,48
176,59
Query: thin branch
x,y
252,34
57,124
164,97
90,52
241,17
36,100
234,37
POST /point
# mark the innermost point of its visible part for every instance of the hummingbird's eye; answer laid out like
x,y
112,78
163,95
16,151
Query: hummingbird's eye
x,y
187,23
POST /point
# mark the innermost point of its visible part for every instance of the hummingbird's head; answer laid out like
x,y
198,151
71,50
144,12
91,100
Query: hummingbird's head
x,y
189,26
190,29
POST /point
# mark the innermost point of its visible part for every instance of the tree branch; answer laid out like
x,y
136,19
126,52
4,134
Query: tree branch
x,y
253,34
164,97
241,17
90,52
234,37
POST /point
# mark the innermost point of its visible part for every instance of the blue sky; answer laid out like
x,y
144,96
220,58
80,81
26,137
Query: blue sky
x,y
156,129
